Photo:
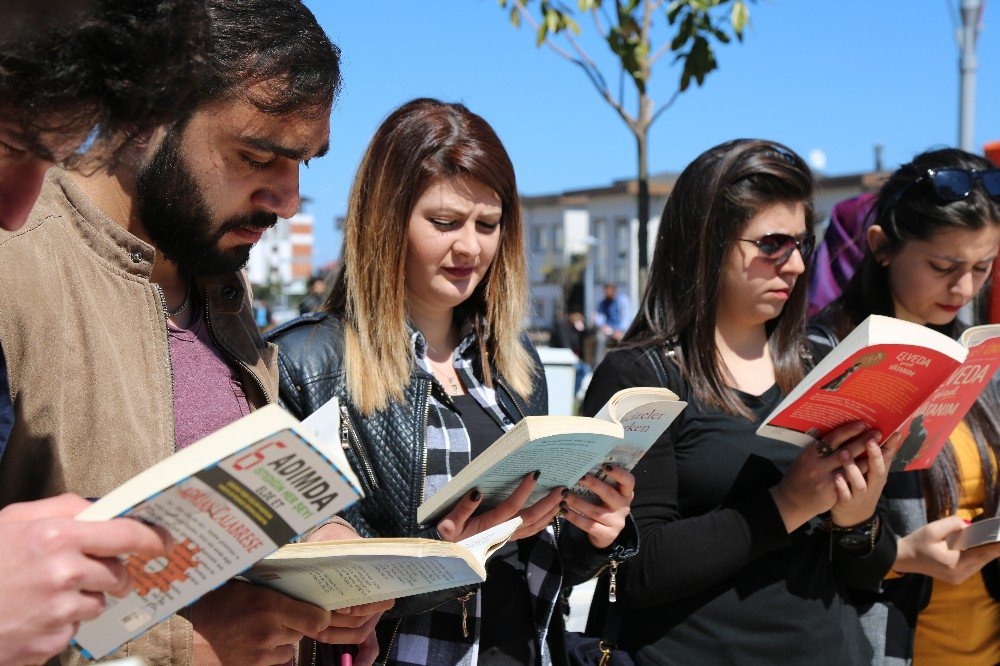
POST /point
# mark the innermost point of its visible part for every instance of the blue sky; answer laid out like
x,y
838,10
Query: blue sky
x,y
833,75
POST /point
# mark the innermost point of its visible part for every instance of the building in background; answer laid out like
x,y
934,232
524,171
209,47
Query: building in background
x,y
580,240
585,238
282,261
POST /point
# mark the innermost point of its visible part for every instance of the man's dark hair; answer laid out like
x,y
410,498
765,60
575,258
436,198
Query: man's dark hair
x,y
113,67
274,42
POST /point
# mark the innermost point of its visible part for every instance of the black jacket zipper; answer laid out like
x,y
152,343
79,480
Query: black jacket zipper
x,y
350,436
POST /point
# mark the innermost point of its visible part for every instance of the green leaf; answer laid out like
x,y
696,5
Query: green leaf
x,y
685,78
515,17
673,9
739,17
684,33
541,35
551,21
701,59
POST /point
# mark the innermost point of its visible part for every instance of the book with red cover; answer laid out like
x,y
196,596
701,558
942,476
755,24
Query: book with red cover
x,y
895,376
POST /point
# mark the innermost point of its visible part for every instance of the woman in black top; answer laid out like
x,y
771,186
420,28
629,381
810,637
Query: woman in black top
x,y
735,564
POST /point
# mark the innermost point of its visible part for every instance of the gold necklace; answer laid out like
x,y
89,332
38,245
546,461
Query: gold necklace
x,y
453,387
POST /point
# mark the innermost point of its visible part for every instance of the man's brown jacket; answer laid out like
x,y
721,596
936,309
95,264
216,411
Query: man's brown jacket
x,y
85,337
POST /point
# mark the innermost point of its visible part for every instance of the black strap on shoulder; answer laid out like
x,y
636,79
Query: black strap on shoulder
x,y
818,336
823,334
652,354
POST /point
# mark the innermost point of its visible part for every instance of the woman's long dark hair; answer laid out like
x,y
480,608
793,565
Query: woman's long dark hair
x,y
710,205
907,210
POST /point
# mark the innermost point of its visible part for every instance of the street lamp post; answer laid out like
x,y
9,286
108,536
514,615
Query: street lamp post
x,y
967,36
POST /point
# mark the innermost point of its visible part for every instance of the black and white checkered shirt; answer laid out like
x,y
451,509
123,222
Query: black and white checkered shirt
x,y
435,637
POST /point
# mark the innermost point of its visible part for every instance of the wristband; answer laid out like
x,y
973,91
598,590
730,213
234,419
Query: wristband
x,y
858,539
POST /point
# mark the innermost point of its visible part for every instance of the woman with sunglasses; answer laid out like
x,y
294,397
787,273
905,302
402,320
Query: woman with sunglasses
x,y
737,564
930,250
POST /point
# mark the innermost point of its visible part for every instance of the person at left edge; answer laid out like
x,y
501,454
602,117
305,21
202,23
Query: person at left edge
x,y
128,327
70,69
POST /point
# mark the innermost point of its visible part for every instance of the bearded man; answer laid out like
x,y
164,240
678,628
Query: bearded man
x,y
126,321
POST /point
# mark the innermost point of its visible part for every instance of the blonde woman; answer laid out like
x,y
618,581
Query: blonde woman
x,y
421,340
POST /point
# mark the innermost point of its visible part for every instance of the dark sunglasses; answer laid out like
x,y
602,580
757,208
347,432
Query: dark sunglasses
x,y
779,247
956,184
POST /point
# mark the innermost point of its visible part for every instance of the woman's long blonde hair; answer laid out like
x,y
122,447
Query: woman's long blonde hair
x,y
423,141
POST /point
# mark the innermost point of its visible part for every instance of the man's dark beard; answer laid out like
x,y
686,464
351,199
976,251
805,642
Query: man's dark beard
x,y
177,219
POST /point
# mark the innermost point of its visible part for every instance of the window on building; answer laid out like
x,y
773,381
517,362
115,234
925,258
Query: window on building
x,y
556,244
623,246
537,239
602,253
622,237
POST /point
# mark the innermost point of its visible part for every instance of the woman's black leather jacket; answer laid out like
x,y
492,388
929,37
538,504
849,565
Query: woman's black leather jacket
x,y
387,448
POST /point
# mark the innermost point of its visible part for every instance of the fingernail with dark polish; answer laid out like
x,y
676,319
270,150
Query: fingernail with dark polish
x,y
607,467
563,511
474,496
537,473
565,491
563,505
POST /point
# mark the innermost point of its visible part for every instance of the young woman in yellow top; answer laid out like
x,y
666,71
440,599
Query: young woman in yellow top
x,y
931,246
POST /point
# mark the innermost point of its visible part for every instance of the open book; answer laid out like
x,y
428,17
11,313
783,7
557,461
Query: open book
x,y
227,500
981,533
563,449
338,574
895,376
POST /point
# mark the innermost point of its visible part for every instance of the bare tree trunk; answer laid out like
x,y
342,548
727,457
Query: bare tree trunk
x,y
643,211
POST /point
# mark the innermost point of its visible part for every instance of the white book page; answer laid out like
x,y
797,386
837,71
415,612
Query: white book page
x,y
978,534
325,424
487,542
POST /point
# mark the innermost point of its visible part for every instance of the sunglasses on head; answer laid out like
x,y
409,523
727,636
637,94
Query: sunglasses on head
x,y
779,247
952,184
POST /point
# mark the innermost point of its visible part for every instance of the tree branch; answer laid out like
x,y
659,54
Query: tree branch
x,y
659,53
644,104
526,15
621,86
607,16
601,30
669,103
583,62
656,4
